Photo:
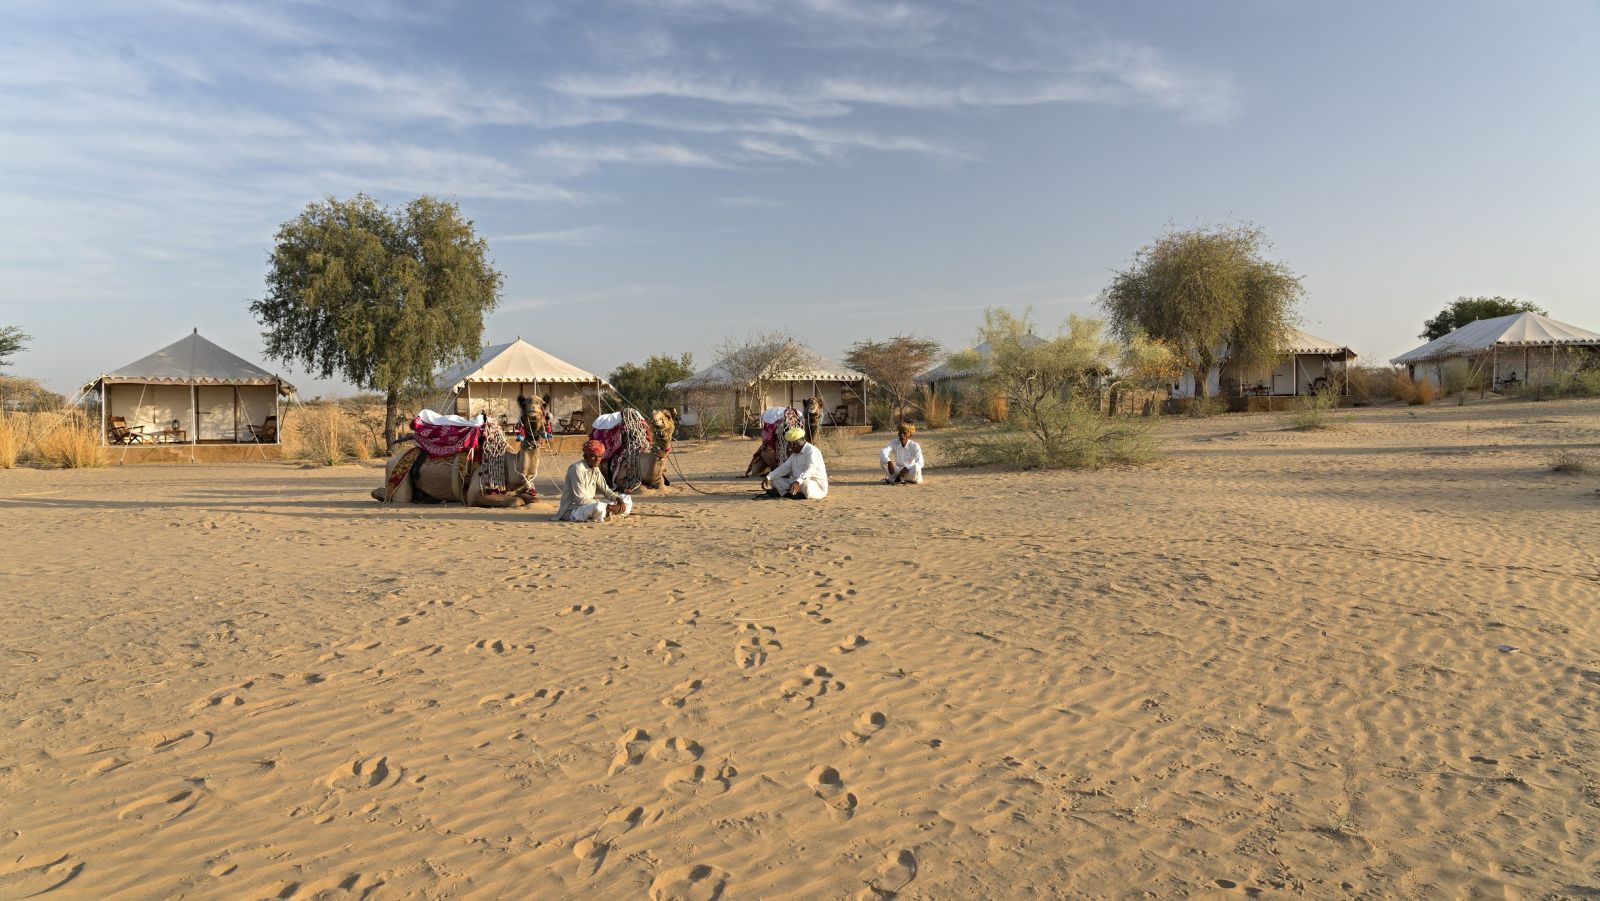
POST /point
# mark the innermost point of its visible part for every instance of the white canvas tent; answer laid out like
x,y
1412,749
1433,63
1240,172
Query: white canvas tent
x,y
1513,349
1304,365
842,390
491,383
190,392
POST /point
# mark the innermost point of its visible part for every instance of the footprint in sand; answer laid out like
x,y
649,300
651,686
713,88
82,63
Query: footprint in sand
x,y
421,650
667,651
232,696
34,874
894,874
681,692
802,692
363,774
696,882
692,618
676,750
162,807
499,647
867,725
826,783
591,850
537,699
756,643
850,643
814,610
698,779
631,748
577,610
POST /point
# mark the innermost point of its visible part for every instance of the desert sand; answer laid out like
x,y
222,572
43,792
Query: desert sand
x,y
1354,663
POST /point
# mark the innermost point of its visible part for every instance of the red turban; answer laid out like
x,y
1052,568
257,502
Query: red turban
x,y
593,446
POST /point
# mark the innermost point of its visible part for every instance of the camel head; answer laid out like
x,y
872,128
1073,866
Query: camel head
x,y
666,425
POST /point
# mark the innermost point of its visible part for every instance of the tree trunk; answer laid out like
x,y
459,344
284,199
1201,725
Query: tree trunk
x,y
391,408
1202,382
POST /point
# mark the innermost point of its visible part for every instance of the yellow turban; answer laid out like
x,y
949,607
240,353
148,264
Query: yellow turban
x,y
795,434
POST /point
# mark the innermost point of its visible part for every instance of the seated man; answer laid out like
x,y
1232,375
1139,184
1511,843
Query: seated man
x,y
584,482
902,459
801,477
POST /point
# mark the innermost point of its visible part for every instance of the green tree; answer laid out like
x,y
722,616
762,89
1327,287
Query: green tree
x,y
1464,310
894,364
383,297
1209,295
645,386
12,341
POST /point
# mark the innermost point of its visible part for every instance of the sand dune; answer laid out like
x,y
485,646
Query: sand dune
x,y
1274,664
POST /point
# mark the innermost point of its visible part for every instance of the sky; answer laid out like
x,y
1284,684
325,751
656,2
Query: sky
x,y
658,177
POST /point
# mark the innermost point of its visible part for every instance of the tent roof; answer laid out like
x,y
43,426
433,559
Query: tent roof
x,y
945,371
193,360
1298,342
516,361
816,367
1516,330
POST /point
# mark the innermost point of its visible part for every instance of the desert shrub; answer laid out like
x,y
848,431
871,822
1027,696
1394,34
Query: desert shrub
x,y
994,408
1373,383
936,407
317,433
1574,383
711,424
880,415
1423,392
71,444
1078,438
10,441
1455,378
835,443
1314,412
1203,407
1575,463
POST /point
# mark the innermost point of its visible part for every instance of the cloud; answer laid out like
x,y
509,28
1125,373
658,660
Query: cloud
x,y
773,150
748,203
582,236
649,154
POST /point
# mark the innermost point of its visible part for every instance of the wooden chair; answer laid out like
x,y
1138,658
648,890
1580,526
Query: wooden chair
x,y
841,415
574,424
122,433
266,432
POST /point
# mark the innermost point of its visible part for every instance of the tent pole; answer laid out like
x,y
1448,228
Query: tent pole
x,y
194,407
102,411
277,421
1294,370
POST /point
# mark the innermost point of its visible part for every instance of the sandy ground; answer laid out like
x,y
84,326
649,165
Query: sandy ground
x,y
1354,663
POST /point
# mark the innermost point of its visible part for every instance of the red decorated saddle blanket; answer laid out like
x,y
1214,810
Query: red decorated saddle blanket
x,y
443,436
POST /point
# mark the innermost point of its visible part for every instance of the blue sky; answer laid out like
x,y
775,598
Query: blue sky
x,y
656,176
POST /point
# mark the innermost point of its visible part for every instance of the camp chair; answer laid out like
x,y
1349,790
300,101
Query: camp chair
x,y
266,432
574,423
841,415
122,433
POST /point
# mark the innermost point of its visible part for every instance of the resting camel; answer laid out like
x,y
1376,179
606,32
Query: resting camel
x,y
771,453
649,469
411,476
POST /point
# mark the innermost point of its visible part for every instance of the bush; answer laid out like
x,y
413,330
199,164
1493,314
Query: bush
x,y
936,407
994,408
1575,463
880,415
1373,383
71,444
1081,438
1203,407
1456,378
835,443
1314,412
322,433
10,441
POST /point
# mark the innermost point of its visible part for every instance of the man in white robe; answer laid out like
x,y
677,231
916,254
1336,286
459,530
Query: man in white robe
x,y
803,476
585,483
902,459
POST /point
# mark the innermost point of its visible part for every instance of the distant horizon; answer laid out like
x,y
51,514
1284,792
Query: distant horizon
x,y
656,177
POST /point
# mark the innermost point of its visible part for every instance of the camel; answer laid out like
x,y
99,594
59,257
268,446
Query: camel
x,y
776,450
411,475
649,468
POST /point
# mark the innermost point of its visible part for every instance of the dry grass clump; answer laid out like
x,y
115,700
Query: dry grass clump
x,y
1415,392
835,443
327,434
1574,463
71,444
936,407
10,441
1079,438
1314,413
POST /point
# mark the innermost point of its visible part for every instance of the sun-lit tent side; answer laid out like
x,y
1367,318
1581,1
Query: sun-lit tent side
x,y
492,382
1523,348
191,392
711,391
1305,364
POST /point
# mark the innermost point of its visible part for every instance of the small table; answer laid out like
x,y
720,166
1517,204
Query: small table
x,y
1258,391
172,436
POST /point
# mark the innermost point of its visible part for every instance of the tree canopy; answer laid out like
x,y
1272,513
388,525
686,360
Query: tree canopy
x,y
12,341
893,363
645,386
1464,310
1037,378
1209,295
383,297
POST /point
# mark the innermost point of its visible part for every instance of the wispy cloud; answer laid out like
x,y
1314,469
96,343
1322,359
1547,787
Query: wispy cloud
x,y
582,236
639,154
746,202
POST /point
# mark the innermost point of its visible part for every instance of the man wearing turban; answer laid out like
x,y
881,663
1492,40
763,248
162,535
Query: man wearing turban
x,y
902,459
584,484
802,476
